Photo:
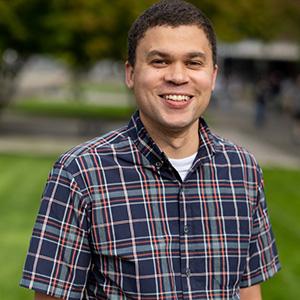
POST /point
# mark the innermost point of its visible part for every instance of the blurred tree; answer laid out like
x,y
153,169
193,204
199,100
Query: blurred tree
x,y
86,31
82,32
22,33
259,19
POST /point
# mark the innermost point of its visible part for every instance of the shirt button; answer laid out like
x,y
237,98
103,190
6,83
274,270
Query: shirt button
x,y
188,272
186,229
158,164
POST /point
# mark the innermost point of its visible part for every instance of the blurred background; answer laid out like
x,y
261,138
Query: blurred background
x,y
62,82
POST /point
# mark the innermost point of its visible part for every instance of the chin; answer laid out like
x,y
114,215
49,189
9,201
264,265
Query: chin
x,y
177,126
181,120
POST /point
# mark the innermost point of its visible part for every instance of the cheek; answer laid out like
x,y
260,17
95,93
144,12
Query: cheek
x,y
205,82
151,75
150,78
144,86
146,81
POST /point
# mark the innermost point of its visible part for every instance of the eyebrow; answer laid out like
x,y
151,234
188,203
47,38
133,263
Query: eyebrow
x,y
163,54
157,53
196,54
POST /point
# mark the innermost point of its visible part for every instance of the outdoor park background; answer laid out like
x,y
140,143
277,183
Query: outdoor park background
x,y
61,82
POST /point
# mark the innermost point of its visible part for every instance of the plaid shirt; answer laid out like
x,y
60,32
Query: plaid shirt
x,y
117,222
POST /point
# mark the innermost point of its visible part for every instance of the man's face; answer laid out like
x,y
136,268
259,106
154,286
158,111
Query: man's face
x,y
173,77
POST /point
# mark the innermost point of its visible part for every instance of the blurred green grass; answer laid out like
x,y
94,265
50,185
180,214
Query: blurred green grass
x,y
105,87
22,179
21,184
71,109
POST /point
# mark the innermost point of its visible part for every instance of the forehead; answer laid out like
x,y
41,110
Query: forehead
x,y
183,38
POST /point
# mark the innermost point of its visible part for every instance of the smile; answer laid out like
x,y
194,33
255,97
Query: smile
x,y
178,98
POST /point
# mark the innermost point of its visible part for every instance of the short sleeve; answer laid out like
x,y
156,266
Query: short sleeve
x,y
59,256
262,261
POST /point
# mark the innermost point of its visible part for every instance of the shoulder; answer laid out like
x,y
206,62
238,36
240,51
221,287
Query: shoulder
x,y
104,145
235,156
233,150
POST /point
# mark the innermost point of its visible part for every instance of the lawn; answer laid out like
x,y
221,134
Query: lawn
x,y
71,109
21,183
81,108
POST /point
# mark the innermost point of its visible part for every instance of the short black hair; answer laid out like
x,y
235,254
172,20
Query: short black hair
x,y
169,13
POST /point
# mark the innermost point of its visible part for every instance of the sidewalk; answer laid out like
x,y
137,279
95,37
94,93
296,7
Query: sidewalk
x,y
265,153
37,145
271,144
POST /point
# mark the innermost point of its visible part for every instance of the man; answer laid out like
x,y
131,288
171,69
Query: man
x,y
162,208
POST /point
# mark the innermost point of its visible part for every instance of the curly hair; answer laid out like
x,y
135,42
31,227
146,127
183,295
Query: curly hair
x,y
169,13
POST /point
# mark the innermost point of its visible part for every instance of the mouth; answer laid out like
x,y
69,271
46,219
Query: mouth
x,y
177,97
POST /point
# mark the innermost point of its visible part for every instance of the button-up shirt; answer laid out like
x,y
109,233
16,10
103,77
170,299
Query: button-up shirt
x,y
117,222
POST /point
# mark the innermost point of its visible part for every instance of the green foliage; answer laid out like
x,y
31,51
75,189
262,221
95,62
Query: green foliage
x,y
85,31
22,25
19,207
257,19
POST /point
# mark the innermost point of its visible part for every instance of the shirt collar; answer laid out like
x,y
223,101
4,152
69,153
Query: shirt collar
x,y
148,148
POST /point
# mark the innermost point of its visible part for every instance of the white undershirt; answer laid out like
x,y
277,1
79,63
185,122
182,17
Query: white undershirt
x,y
183,165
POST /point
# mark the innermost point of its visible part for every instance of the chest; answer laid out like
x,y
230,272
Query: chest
x,y
135,210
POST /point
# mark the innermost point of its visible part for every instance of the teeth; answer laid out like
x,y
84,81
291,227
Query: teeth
x,y
177,97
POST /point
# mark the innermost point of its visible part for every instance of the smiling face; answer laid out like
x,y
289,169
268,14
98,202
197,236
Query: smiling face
x,y
172,78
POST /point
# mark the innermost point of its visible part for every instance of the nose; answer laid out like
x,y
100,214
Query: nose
x,y
176,73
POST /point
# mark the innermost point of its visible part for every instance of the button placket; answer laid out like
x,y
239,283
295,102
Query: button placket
x,y
188,272
158,164
186,229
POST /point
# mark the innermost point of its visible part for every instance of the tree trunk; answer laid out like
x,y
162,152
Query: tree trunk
x,y
76,84
8,75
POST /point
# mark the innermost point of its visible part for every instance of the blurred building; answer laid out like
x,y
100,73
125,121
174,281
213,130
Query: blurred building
x,y
251,58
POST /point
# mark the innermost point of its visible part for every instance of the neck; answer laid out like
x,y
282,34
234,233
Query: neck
x,y
177,143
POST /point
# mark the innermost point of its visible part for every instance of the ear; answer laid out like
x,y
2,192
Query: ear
x,y
215,73
129,75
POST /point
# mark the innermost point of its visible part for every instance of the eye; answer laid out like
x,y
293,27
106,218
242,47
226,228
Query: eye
x,y
159,63
195,64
